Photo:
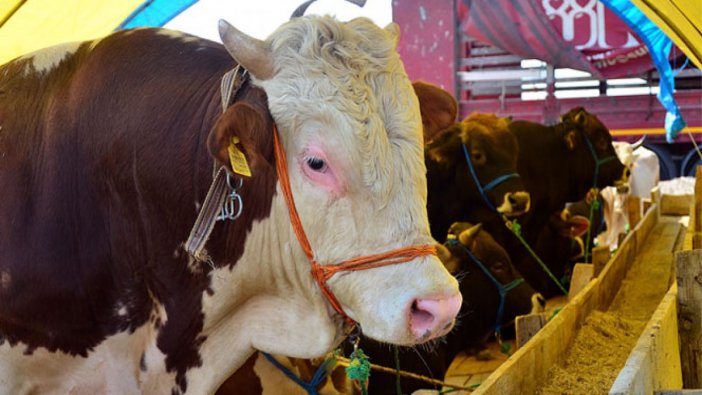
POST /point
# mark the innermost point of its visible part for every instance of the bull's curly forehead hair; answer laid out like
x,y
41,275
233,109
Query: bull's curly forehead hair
x,y
353,69
356,45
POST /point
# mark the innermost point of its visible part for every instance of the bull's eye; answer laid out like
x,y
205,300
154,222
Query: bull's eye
x,y
316,164
478,157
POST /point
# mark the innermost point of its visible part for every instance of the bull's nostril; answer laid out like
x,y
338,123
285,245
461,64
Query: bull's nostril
x,y
420,315
422,320
428,317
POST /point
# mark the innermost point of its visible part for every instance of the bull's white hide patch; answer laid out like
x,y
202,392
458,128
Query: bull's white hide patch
x,y
113,367
46,59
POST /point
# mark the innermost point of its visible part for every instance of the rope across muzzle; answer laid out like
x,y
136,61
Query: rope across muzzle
x,y
322,273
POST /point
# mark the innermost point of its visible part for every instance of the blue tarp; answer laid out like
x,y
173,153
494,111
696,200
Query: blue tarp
x,y
155,13
659,46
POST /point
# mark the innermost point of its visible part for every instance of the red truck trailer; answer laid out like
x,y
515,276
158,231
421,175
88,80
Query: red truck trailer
x,y
446,43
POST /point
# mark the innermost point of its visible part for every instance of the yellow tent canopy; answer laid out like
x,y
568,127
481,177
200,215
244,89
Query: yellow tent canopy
x,y
28,25
680,20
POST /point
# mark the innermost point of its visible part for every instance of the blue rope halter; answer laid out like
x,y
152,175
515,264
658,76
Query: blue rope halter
x,y
311,387
490,185
501,289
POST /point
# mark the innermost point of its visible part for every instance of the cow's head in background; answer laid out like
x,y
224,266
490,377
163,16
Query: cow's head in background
x,y
351,130
480,144
485,271
589,139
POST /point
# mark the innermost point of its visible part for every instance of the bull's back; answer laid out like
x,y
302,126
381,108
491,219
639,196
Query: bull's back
x,y
86,131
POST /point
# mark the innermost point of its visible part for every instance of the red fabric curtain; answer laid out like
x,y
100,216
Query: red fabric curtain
x,y
579,34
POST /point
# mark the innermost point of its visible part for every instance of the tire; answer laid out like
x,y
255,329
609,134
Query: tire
x,y
667,166
689,164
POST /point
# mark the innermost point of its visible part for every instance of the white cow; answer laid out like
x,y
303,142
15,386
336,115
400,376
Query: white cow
x,y
105,167
645,174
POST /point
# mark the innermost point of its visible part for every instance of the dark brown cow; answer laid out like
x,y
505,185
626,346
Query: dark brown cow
x,y
104,166
558,164
481,145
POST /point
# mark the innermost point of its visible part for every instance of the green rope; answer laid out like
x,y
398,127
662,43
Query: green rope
x,y
593,206
398,387
555,312
359,369
516,228
506,348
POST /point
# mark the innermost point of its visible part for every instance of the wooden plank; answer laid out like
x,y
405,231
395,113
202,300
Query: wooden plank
x,y
656,195
582,274
676,204
600,257
688,266
527,369
696,214
526,326
698,200
655,360
633,210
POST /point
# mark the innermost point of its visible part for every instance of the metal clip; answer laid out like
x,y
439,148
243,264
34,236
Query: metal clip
x,y
233,204
354,337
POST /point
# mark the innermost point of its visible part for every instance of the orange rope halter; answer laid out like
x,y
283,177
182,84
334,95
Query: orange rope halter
x,y
322,273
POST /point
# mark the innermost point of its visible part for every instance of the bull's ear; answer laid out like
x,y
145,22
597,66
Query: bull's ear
x,y
571,139
437,106
467,237
237,140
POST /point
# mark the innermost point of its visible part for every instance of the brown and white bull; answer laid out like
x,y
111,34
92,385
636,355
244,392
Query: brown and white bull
x,y
104,166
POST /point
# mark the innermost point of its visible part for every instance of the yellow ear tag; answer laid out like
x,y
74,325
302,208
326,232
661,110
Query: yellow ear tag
x,y
237,159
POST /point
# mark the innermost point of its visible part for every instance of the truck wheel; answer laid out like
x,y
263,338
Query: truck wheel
x,y
689,164
667,166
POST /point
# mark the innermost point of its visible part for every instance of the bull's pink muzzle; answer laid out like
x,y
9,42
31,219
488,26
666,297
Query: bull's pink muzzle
x,y
430,318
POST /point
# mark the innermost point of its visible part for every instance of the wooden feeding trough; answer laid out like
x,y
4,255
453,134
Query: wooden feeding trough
x,y
619,332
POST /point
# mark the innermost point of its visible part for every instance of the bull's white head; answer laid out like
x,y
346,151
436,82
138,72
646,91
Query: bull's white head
x,y
350,124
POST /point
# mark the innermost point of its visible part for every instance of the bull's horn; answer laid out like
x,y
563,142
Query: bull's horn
x,y
252,53
467,236
638,143
300,11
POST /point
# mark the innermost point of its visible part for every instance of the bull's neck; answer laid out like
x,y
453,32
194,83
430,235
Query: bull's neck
x,y
267,301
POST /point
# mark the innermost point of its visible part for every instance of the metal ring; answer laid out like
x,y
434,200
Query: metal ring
x,y
239,183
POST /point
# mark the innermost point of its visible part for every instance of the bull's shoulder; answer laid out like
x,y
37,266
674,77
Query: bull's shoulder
x,y
135,53
162,51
